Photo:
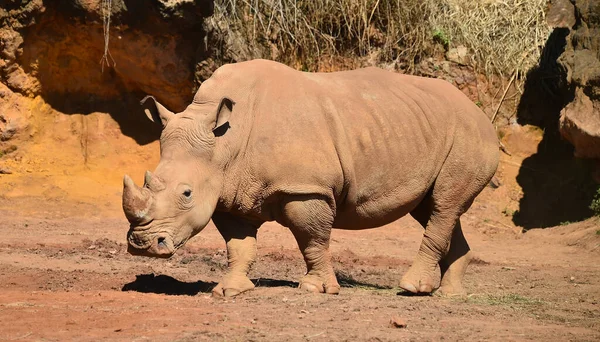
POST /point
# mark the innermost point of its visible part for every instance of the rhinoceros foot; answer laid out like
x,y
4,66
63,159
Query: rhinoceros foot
x,y
315,284
418,279
453,268
450,291
232,286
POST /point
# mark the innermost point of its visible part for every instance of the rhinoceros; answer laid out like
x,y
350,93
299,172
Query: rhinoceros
x,y
314,151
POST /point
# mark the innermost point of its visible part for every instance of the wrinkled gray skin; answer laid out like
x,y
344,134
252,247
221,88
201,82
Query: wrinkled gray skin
x,y
352,150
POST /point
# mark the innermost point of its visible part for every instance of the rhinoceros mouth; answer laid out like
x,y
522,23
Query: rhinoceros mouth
x,y
139,242
148,253
157,245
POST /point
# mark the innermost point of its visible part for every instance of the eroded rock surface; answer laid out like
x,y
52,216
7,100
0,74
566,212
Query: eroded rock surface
x,y
54,48
580,119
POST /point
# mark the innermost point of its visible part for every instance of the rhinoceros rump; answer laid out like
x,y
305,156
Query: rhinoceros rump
x,y
352,150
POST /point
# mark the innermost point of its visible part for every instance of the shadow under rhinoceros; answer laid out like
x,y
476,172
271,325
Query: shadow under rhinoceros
x,y
164,284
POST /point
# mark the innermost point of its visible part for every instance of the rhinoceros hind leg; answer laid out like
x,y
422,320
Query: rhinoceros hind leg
x,y
310,219
443,242
466,171
454,264
240,237
420,277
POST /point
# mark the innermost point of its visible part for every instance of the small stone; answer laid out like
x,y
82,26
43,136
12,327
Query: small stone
x,y
186,260
397,322
457,55
446,67
572,279
8,134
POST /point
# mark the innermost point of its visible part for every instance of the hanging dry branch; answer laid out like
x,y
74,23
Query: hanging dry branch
x,y
106,13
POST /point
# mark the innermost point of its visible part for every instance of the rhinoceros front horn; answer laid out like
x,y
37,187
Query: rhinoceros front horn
x,y
136,202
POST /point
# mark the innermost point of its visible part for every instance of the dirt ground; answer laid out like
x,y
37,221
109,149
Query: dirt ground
x,y
70,278
65,273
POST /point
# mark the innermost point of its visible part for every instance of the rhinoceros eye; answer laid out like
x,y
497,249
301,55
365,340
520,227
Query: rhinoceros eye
x,y
187,193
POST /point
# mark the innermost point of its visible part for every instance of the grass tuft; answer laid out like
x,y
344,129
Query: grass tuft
x,y
511,299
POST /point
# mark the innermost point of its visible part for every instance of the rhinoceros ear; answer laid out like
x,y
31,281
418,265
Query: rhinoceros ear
x,y
223,113
221,118
155,111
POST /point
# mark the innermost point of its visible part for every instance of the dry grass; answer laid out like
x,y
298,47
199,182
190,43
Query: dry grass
x,y
303,32
503,37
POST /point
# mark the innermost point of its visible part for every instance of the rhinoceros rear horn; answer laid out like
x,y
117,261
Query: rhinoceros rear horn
x,y
155,111
153,182
136,202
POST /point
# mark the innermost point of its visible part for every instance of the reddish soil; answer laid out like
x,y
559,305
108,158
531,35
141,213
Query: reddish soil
x,y
71,279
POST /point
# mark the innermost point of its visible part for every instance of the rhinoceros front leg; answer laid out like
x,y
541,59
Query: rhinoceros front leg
x,y
310,219
240,237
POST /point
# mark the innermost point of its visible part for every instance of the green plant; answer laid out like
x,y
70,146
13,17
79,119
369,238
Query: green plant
x,y
595,205
565,223
478,104
598,232
441,37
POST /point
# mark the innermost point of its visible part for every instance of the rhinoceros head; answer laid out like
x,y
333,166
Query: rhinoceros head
x,y
178,199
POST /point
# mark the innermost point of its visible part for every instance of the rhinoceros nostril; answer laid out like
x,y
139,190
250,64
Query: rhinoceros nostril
x,y
161,242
